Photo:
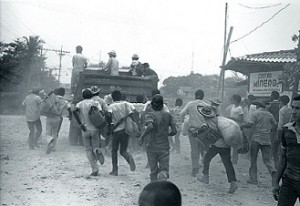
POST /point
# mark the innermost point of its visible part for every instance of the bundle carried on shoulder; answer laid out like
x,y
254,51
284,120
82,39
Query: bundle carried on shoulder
x,y
49,107
230,131
97,117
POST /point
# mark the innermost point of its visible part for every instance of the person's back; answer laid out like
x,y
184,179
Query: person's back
x,y
274,105
263,122
32,107
79,60
195,119
84,108
159,137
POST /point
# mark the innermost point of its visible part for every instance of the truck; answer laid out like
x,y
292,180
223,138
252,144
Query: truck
x,y
130,85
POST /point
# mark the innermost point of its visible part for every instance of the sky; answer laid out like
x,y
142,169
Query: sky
x,y
174,36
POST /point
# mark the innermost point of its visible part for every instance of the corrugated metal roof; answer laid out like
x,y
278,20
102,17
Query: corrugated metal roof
x,y
282,56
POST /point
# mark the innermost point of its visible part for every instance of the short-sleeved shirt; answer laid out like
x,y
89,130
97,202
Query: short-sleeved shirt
x,y
79,62
291,142
236,112
284,116
263,122
32,103
102,102
84,108
176,114
196,119
113,66
61,104
120,109
158,139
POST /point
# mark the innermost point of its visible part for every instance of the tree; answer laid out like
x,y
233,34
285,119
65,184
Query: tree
x,y
291,74
33,61
21,66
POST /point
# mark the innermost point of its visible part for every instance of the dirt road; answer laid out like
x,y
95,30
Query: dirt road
x,y
31,177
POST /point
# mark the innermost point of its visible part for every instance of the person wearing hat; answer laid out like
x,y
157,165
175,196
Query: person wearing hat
x,y
112,66
79,62
219,147
158,122
90,134
32,107
261,122
215,103
135,67
95,92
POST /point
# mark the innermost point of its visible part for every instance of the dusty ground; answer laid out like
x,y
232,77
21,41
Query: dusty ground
x,y
30,177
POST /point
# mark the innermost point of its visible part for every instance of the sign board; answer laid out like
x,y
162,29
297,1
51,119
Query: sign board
x,y
263,83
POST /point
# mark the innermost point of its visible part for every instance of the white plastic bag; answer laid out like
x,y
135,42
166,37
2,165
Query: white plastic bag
x,y
231,132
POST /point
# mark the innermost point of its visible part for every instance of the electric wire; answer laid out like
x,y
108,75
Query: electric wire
x,y
259,26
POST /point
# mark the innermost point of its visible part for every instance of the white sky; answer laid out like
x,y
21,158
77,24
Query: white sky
x,y
164,33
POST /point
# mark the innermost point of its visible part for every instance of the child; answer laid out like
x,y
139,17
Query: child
x,y
90,134
158,146
178,120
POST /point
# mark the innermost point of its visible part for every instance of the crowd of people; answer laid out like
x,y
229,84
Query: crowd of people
x,y
269,126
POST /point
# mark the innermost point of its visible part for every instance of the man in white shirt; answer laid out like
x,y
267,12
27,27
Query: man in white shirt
x,y
196,120
119,110
112,66
90,134
79,62
32,105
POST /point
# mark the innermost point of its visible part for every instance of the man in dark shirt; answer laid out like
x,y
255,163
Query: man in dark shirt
x,y
274,109
289,162
158,146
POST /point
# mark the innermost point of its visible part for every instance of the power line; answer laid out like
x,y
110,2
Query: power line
x,y
260,24
262,7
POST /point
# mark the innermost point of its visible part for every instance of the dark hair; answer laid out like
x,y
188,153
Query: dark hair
x,y
146,65
135,58
60,91
155,92
251,97
178,102
237,98
140,98
116,95
87,94
157,102
284,99
274,95
296,98
160,193
199,94
79,49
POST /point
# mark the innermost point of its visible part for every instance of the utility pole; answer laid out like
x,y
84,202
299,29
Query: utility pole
x,y
61,53
226,48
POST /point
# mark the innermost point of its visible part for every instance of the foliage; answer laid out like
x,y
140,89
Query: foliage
x,y
22,65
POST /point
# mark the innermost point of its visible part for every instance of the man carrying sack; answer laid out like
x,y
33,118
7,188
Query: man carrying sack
x,y
218,146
